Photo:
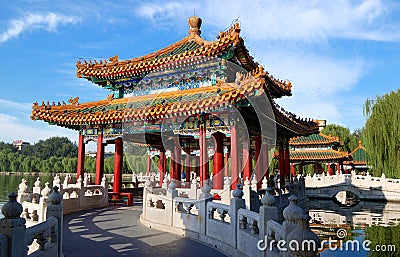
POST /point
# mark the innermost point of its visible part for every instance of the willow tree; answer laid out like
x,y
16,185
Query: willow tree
x,y
382,133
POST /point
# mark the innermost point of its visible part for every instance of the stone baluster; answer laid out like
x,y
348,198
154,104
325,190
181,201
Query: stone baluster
x,y
57,181
23,194
37,186
303,233
247,193
65,184
383,181
55,209
79,182
194,186
226,192
254,183
85,180
264,184
205,197
104,182
172,192
291,214
13,227
148,188
165,183
267,212
236,203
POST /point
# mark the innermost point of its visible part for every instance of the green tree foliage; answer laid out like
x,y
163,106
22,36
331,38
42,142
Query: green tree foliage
x,y
350,140
52,147
56,154
381,134
386,237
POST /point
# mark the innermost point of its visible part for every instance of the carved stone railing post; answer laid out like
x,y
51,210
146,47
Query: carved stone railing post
x,y
165,183
57,181
172,192
79,182
291,215
264,184
37,186
246,193
23,194
13,227
226,192
304,233
54,208
268,211
236,203
193,189
205,197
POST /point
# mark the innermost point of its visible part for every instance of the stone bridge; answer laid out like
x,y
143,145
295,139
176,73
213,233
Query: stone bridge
x,y
365,187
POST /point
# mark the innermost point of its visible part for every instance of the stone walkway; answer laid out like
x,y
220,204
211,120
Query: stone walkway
x,y
115,231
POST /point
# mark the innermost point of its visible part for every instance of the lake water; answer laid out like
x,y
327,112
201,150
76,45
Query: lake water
x,y
373,221
9,183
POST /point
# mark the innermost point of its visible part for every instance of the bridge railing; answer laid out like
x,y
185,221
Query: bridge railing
x,y
77,197
39,240
231,227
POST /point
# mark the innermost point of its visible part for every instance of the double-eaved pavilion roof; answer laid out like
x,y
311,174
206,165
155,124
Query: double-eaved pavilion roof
x,y
166,104
328,155
229,45
314,139
359,155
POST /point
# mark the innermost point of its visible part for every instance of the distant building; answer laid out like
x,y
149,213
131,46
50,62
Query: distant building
x,y
93,154
19,144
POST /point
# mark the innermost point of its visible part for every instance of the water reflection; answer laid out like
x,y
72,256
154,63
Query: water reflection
x,y
356,223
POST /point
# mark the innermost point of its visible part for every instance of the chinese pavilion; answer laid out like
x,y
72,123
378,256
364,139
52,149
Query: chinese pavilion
x,y
180,99
317,149
359,158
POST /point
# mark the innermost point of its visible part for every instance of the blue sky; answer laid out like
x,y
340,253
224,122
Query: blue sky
x,y
336,53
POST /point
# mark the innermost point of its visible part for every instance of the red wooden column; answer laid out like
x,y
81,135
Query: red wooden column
x,y
178,165
148,164
338,168
293,170
246,160
161,166
118,161
330,171
259,162
234,158
226,164
80,166
187,167
203,154
265,159
99,159
172,166
218,163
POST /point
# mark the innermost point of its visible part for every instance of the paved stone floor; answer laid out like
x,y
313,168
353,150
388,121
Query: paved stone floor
x,y
115,231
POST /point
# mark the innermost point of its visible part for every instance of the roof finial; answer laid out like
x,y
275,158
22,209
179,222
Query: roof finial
x,y
194,24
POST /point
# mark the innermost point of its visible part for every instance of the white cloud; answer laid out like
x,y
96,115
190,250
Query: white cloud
x,y
12,129
31,21
289,20
15,105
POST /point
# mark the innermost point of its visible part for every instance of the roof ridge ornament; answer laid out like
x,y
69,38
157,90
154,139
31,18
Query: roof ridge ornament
x,y
194,24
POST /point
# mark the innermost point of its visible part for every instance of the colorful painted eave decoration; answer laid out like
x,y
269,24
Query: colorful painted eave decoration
x,y
314,139
163,105
103,71
317,155
146,107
